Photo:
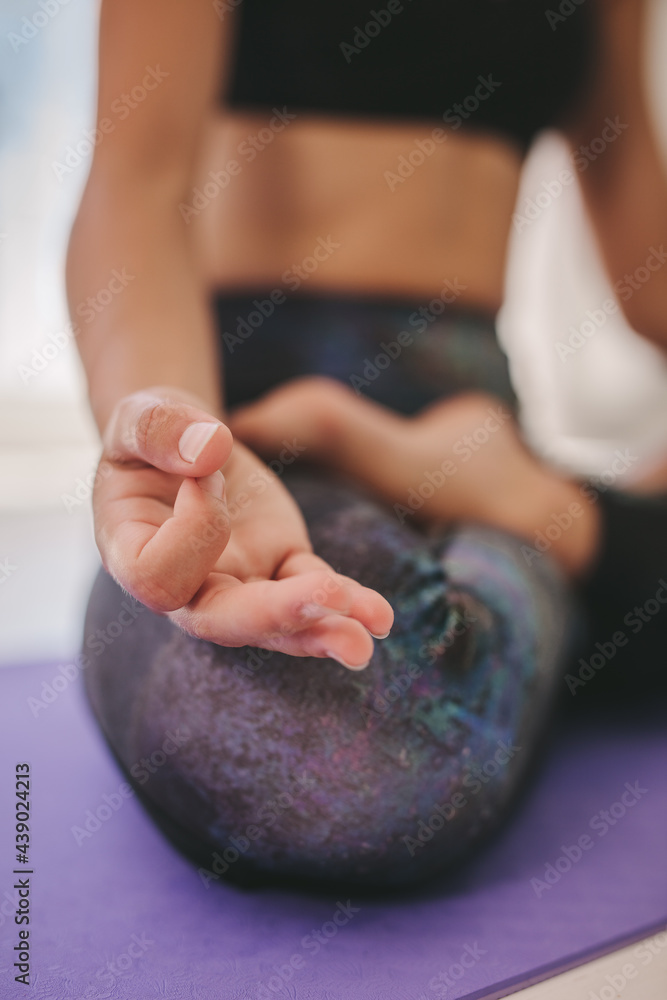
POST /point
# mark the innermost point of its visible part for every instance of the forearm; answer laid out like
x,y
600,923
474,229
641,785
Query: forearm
x,y
156,328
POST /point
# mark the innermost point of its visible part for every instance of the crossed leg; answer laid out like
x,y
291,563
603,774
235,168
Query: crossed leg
x,y
259,761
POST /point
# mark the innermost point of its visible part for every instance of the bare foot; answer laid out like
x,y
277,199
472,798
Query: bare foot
x,y
460,459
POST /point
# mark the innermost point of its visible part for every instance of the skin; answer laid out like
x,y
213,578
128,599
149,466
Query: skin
x,y
162,523
390,454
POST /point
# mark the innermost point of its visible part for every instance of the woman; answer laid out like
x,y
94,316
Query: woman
x,y
364,209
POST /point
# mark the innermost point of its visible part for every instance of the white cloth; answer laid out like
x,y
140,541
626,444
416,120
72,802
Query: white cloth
x,y
588,385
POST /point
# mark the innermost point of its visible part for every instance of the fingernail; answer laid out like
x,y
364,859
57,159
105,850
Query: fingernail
x,y
194,439
350,666
213,484
379,636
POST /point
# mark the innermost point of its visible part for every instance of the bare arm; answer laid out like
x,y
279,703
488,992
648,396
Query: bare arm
x,y
162,524
625,187
156,330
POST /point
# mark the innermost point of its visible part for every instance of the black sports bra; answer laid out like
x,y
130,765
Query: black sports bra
x,y
510,66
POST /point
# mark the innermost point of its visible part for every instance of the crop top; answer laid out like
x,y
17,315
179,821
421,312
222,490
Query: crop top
x,y
509,66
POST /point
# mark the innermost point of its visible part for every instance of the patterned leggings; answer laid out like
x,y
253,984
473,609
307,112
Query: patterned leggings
x,y
262,765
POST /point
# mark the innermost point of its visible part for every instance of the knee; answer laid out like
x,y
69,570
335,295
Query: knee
x,y
298,767
302,768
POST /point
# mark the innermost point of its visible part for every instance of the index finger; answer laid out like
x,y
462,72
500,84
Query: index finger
x,y
158,539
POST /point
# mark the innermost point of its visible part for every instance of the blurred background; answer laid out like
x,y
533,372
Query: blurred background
x,y
47,438
48,442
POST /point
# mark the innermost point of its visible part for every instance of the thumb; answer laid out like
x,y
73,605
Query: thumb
x,y
155,427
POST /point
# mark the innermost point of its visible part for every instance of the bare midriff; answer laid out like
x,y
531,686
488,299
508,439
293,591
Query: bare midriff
x,y
400,213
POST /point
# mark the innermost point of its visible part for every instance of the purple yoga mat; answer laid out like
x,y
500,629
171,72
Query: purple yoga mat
x,y
119,913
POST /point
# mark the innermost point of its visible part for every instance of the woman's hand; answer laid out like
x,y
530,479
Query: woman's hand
x,y
461,459
229,560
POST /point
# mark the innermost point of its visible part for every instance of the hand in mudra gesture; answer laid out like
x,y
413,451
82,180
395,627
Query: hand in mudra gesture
x,y
164,532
